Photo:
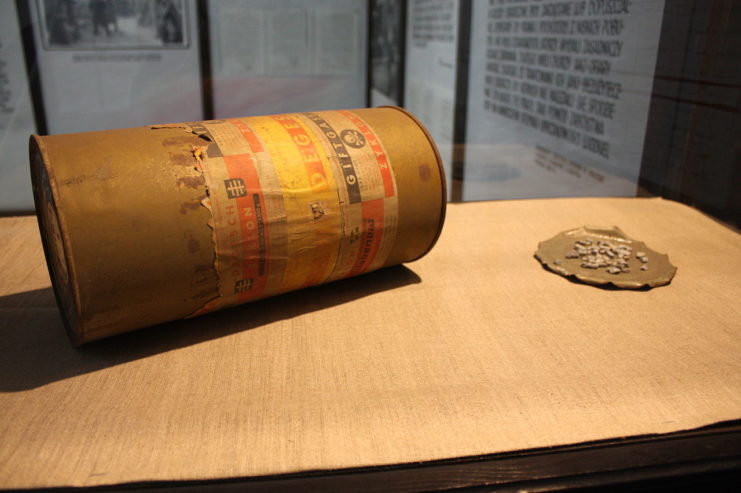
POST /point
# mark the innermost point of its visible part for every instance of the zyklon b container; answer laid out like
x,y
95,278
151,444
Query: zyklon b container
x,y
146,225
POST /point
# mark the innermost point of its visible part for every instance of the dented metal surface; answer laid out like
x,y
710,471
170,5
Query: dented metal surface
x,y
152,224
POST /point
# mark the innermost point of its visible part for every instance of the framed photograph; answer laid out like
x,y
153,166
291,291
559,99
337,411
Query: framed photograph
x,y
387,36
106,64
113,24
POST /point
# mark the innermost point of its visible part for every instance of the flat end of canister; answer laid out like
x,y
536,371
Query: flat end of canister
x,y
441,171
53,238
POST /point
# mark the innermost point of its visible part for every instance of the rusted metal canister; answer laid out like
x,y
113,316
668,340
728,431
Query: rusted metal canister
x,y
146,225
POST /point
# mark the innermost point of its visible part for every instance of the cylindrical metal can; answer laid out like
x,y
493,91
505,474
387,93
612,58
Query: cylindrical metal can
x,y
146,225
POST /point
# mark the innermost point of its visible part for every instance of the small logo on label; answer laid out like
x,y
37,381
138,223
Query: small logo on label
x,y
317,210
242,285
235,188
353,138
354,235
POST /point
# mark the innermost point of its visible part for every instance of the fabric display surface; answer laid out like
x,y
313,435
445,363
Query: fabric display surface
x,y
474,349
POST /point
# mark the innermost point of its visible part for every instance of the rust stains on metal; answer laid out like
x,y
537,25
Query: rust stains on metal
x,y
195,182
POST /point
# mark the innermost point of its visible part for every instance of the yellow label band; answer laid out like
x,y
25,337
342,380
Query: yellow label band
x,y
296,200
368,191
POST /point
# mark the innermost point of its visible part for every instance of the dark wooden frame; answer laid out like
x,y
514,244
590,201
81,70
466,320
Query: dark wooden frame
x,y
707,459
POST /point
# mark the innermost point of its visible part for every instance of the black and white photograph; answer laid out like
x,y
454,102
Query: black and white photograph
x,y
110,63
113,24
387,45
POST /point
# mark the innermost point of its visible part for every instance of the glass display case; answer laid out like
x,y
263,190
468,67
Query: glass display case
x,y
228,248
525,99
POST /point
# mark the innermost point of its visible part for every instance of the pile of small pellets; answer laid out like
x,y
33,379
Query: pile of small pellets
x,y
604,254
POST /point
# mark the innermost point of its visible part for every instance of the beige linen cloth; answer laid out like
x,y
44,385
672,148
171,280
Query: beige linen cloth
x,y
474,349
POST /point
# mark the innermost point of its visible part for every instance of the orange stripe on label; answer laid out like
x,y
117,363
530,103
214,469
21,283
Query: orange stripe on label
x,y
248,134
371,236
375,144
244,189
